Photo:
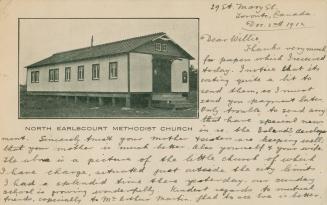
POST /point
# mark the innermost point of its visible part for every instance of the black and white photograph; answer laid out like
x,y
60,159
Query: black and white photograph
x,y
108,68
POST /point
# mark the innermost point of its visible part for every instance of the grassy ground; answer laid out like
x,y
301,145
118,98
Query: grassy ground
x,y
57,107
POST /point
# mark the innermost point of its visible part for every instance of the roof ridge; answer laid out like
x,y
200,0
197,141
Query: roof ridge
x,y
119,41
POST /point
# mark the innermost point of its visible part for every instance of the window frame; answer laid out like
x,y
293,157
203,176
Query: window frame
x,y
157,46
35,76
68,72
32,77
53,71
80,69
184,76
111,68
56,71
164,45
96,74
51,77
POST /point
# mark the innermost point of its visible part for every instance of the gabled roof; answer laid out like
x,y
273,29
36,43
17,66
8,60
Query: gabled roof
x,y
108,49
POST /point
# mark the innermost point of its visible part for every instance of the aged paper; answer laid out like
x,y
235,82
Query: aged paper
x,y
255,134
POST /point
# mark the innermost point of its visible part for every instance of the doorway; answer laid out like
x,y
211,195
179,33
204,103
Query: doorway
x,y
161,75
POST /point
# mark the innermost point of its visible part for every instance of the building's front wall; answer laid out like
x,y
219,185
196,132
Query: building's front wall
x,y
140,72
177,68
141,75
104,84
172,49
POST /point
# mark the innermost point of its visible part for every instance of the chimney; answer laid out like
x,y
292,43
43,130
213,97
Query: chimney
x,y
92,41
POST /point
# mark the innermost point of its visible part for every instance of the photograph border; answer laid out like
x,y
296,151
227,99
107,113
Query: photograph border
x,y
126,117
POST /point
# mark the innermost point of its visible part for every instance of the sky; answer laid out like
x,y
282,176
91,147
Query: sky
x,y
40,38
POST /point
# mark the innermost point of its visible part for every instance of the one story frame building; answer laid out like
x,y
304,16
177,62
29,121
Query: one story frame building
x,y
152,66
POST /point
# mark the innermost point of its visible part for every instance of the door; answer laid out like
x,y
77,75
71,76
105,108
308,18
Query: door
x,y
161,75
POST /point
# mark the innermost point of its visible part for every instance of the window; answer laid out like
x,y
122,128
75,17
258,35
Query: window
x,y
184,76
161,47
34,76
113,70
164,47
67,74
158,46
80,72
51,75
95,72
54,75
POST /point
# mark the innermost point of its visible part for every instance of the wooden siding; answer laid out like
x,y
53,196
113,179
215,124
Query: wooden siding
x,y
177,68
104,84
172,49
141,72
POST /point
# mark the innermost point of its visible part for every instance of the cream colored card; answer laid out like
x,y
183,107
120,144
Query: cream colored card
x,y
163,102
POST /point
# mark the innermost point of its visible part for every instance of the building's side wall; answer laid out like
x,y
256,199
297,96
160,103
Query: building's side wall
x,y
140,72
104,84
177,68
